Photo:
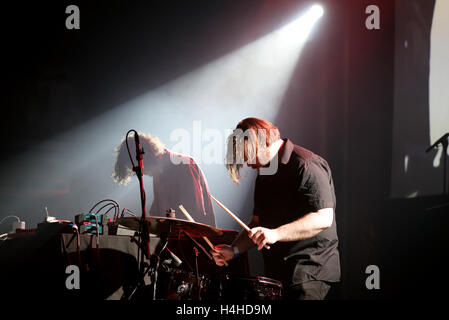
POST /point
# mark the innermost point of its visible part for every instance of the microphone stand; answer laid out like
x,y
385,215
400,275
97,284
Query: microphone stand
x,y
144,235
444,141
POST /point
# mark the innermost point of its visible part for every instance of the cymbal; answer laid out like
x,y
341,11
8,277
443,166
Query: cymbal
x,y
171,226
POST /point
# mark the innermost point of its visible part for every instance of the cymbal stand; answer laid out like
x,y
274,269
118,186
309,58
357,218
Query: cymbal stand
x,y
151,269
197,273
155,262
197,247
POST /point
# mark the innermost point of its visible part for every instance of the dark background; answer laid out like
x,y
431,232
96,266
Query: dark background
x,y
339,104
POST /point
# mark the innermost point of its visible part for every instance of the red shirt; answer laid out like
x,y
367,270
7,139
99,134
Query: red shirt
x,y
182,182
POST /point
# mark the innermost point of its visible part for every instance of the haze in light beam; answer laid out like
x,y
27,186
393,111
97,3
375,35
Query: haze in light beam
x,y
250,81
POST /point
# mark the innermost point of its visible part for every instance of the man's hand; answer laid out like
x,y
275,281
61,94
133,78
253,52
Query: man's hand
x,y
222,253
262,236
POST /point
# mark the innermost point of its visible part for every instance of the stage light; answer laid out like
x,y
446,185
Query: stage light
x,y
317,11
298,30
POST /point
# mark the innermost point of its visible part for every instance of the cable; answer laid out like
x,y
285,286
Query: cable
x,y
112,203
11,216
127,146
116,211
127,211
110,200
116,207
131,158
106,205
78,244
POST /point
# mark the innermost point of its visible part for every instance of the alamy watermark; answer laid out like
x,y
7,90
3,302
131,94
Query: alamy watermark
x,y
73,19
73,279
212,146
373,280
373,20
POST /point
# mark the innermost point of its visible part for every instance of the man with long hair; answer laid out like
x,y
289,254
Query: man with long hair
x,y
177,179
294,204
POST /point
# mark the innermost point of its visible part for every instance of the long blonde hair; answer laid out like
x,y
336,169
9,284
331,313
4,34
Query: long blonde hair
x,y
245,143
123,170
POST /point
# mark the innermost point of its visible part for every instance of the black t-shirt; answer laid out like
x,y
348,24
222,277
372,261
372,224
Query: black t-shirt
x,y
302,184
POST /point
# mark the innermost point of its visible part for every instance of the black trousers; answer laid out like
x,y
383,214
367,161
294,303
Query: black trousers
x,y
311,290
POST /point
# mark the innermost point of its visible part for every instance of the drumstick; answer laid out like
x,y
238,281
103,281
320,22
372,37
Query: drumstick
x,y
189,217
240,222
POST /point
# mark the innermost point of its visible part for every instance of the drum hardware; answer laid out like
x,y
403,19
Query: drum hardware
x,y
206,239
171,226
170,213
155,259
246,288
177,284
196,248
152,269
185,286
170,284
174,258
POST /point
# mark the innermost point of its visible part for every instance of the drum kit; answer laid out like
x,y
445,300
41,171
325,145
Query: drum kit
x,y
173,282
181,285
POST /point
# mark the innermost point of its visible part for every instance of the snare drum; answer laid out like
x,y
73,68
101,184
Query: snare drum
x,y
241,288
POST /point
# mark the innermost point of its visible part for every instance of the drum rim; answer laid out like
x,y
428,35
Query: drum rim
x,y
260,279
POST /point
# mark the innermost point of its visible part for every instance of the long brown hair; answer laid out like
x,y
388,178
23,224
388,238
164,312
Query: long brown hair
x,y
152,147
245,143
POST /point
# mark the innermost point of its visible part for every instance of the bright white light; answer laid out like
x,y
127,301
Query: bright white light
x,y
316,11
298,31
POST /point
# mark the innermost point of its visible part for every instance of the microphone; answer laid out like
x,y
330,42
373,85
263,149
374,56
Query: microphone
x,y
175,258
139,150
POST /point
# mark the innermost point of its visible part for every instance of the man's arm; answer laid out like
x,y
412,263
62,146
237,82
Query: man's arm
x,y
306,227
224,252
